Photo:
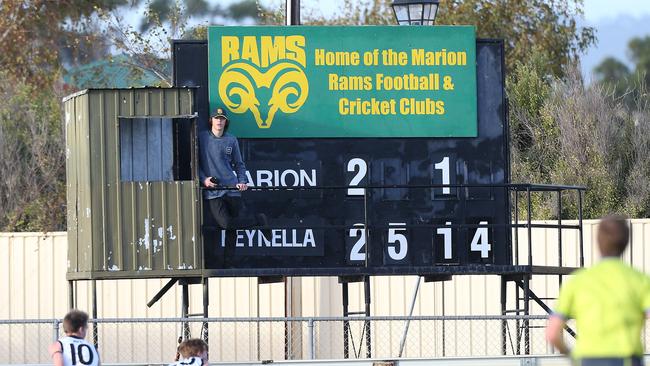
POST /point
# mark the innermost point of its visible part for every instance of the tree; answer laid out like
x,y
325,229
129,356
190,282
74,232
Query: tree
x,y
32,33
615,76
625,84
546,27
148,47
38,40
611,70
566,132
32,157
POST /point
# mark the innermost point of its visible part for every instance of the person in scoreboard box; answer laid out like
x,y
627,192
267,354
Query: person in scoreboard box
x,y
192,352
73,349
219,156
609,301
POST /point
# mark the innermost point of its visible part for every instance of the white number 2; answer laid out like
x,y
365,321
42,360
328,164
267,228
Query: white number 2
x,y
444,166
362,166
394,237
446,233
480,241
355,253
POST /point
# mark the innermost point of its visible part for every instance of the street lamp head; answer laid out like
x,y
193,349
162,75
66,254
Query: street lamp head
x,y
415,12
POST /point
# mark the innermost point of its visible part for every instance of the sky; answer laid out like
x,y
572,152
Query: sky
x,y
616,22
598,10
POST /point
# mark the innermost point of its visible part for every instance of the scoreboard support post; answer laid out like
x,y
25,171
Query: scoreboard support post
x,y
94,313
185,305
365,334
206,305
526,325
346,323
71,297
366,292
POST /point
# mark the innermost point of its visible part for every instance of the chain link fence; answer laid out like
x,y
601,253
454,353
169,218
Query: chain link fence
x,y
256,339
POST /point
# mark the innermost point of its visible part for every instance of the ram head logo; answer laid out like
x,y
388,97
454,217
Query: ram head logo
x,y
241,83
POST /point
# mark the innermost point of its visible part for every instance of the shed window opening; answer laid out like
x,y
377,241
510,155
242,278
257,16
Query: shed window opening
x,y
156,149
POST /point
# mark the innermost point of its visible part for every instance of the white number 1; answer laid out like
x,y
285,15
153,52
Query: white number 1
x,y
446,233
444,166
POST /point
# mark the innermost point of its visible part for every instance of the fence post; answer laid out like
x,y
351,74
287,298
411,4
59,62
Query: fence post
x,y
311,343
56,330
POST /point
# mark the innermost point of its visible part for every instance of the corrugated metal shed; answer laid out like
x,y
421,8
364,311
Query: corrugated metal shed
x,y
134,207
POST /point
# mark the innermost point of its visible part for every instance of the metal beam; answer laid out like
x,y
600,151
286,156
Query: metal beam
x,y
162,292
543,305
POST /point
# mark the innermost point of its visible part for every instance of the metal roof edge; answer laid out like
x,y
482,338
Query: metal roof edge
x,y
87,90
74,95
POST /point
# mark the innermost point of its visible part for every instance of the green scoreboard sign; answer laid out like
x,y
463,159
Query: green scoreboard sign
x,y
379,81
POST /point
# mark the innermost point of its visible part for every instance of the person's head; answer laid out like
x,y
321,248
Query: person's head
x,y
613,235
75,322
194,347
219,119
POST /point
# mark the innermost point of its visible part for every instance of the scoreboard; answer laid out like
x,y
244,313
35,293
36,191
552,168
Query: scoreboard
x,y
357,200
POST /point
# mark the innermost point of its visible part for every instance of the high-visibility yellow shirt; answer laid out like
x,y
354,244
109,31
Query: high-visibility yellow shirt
x,y
609,302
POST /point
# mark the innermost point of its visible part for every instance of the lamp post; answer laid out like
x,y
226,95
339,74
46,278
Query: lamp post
x,y
293,12
415,12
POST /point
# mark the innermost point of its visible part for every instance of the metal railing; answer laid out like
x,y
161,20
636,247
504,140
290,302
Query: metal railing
x,y
257,339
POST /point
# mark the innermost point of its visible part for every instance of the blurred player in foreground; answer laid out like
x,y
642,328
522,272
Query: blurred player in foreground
x,y
192,352
73,349
609,301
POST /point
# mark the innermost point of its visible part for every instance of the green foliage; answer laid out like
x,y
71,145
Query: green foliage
x,y
565,132
627,85
546,27
33,33
611,70
528,90
32,158
244,9
166,11
37,39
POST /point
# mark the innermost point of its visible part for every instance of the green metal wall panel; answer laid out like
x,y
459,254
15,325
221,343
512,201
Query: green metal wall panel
x,y
113,250
84,202
71,182
97,162
121,229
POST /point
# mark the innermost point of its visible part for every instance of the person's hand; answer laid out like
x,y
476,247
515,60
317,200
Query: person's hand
x,y
242,186
208,182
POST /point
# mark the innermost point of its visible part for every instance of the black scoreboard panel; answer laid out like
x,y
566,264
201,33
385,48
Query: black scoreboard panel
x,y
449,230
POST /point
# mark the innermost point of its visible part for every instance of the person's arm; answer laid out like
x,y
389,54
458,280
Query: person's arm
x,y
203,177
564,309
240,167
554,330
56,352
